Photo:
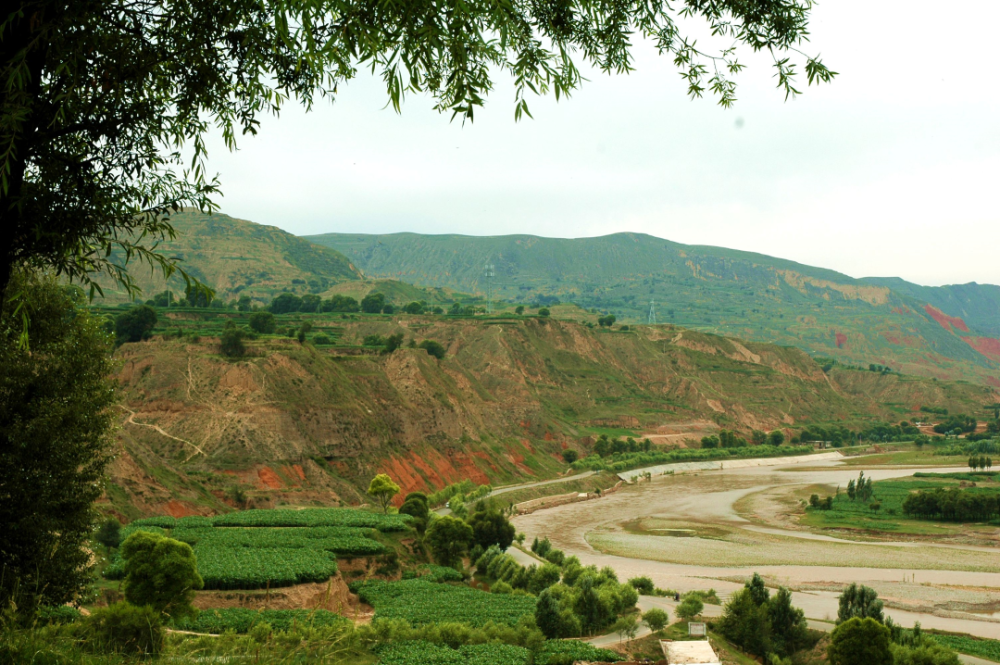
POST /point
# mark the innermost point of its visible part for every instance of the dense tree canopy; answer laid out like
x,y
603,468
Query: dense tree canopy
x,y
56,402
101,96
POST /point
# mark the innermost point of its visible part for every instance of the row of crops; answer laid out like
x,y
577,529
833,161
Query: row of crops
x,y
419,652
973,646
255,549
241,620
421,602
347,541
284,517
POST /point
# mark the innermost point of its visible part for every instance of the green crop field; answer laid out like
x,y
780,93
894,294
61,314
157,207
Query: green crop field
x,y
419,652
241,619
972,646
270,547
421,602
348,541
245,568
574,649
313,517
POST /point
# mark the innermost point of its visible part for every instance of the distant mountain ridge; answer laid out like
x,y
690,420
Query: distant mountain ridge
x,y
885,321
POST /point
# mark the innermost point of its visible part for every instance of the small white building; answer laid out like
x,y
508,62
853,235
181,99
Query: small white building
x,y
695,652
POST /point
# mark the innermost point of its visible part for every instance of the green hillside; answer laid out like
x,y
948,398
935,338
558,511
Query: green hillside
x,y
236,257
883,321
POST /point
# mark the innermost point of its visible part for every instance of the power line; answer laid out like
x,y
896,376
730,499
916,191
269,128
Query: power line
x,y
489,273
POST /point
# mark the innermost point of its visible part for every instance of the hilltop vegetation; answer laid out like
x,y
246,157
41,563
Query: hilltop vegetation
x,y
236,257
947,332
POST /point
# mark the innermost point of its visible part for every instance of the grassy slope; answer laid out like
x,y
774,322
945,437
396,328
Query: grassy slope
x,y
303,424
237,257
739,293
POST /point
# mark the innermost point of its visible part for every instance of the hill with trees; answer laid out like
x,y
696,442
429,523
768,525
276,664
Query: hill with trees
x,y
944,332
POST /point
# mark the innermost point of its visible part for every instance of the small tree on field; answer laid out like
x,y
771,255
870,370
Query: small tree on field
x,y
231,342
263,322
135,324
626,626
110,533
448,539
490,527
569,456
656,619
643,585
860,642
776,438
689,608
382,489
433,348
160,572
859,601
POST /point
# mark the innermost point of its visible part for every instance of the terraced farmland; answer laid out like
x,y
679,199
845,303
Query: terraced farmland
x,y
241,620
271,548
421,602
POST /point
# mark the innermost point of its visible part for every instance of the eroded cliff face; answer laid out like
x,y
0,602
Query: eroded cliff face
x,y
305,425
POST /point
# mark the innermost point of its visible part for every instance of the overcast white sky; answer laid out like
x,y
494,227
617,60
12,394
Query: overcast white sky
x,y
891,170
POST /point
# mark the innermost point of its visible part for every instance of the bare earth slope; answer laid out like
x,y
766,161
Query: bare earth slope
x,y
303,424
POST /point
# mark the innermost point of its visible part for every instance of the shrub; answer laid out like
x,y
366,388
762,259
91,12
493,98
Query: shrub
x,y
656,619
860,642
126,629
160,572
544,311
110,533
263,322
643,585
231,342
490,527
322,339
433,348
58,615
570,456
448,538
689,608
243,620
134,324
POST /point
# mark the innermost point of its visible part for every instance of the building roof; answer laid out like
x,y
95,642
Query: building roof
x,y
696,652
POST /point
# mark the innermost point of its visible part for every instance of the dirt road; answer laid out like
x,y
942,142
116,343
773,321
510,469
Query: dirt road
x,y
705,543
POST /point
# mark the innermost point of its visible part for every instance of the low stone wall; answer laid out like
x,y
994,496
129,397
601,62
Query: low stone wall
x,y
527,507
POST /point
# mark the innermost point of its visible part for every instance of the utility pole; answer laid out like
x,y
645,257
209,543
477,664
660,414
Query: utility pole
x,y
489,274
651,319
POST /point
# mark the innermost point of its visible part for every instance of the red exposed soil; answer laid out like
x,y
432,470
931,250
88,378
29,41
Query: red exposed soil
x,y
900,310
430,469
945,321
841,339
295,471
987,346
993,381
892,339
179,509
269,479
